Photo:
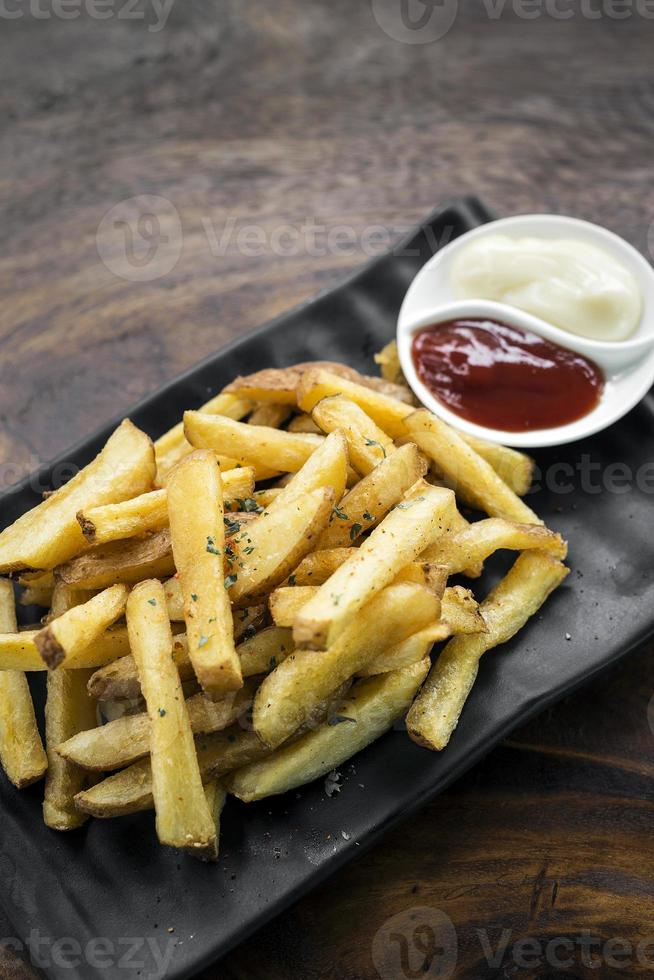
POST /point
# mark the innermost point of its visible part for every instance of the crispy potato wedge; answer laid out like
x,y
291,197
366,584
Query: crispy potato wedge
x,y
149,511
123,741
22,754
70,634
436,711
182,813
195,513
129,561
367,444
287,696
49,534
172,446
371,499
418,520
366,713
478,541
251,445
466,470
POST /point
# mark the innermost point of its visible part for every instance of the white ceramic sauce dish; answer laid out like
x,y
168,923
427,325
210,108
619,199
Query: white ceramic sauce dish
x,y
628,365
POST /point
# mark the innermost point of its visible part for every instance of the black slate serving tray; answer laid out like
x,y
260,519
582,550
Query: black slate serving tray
x,y
112,885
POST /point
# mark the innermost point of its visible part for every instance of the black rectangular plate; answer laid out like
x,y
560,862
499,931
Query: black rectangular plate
x,y
112,881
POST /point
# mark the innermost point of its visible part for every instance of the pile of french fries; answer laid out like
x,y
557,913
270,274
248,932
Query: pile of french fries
x,y
208,635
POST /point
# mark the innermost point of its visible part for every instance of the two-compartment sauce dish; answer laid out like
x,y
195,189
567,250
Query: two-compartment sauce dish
x,y
533,331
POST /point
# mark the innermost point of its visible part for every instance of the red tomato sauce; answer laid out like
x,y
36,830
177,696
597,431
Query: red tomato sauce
x,y
504,377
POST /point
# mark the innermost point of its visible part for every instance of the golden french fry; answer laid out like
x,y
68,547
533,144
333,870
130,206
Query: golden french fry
x,y
417,521
371,499
267,550
286,696
365,714
182,812
49,534
68,710
303,423
126,739
317,567
149,511
128,561
130,791
70,634
388,412
466,470
195,512
251,445
520,594
18,651
271,414
326,467
478,541
22,754
367,444
172,446
515,468
279,384
216,796
388,360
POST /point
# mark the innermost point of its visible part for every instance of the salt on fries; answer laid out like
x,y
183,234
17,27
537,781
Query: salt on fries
x,y
223,625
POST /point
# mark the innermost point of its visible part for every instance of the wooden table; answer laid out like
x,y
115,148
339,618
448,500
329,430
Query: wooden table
x,y
284,122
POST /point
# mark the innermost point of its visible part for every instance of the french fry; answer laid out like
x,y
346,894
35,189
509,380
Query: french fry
x,y
70,634
216,796
515,468
286,696
259,654
459,614
466,470
268,549
271,414
371,499
278,385
317,567
129,561
480,540
22,754
367,712
401,536
182,813
49,534
251,445
388,360
303,423
520,594
195,512
123,741
326,467
18,651
149,511
368,445
286,602
130,790
172,446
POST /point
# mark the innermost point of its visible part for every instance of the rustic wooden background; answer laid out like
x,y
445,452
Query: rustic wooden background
x,y
256,117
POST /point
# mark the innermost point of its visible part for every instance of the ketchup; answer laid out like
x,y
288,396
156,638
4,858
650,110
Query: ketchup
x,y
504,377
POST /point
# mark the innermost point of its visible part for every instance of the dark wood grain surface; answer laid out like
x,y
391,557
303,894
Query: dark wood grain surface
x,y
287,141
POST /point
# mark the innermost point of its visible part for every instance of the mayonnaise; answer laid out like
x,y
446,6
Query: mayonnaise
x,y
576,286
